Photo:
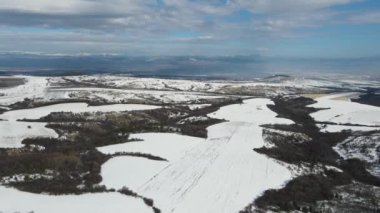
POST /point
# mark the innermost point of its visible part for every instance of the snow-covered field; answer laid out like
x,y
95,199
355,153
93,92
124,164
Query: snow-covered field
x,y
35,87
117,95
121,88
35,113
133,172
166,145
12,131
220,174
13,201
128,171
345,112
122,81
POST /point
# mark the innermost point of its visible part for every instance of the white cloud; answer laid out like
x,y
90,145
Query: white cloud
x,y
148,15
130,24
367,17
289,6
75,6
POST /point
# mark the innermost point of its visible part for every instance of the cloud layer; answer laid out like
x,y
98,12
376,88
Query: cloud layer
x,y
166,26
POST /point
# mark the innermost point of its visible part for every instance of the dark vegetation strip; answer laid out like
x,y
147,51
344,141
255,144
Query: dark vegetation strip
x,y
11,82
345,124
139,154
29,103
2,110
148,201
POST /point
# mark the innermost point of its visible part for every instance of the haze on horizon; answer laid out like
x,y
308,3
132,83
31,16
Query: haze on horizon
x,y
273,28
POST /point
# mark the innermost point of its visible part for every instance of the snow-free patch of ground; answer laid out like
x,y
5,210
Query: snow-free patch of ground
x,y
345,112
220,174
13,200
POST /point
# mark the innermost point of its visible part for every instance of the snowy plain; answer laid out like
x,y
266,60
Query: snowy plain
x,y
34,87
118,88
166,145
220,174
135,171
345,112
128,82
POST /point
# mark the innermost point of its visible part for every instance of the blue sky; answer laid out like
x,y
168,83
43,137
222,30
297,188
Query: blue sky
x,y
276,28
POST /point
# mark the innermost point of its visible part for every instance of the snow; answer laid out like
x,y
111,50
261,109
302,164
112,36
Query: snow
x,y
333,168
129,171
34,87
35,113
198,106
192,119
13,200
253,111
127,82
360,147
162,90
223,174
22,177
365,148
12,131
345,112
117,94
220,174
165,145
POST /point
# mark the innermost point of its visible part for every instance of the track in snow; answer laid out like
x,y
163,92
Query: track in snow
x,y
223,173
